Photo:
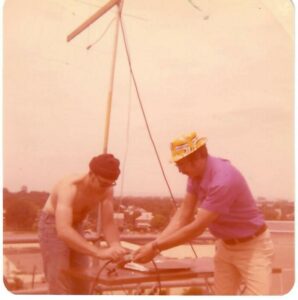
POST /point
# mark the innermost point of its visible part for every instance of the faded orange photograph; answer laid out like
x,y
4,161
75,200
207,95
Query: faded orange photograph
x,y
148,147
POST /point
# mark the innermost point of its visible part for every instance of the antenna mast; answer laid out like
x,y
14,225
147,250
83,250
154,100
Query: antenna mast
x,y
109,5
80,29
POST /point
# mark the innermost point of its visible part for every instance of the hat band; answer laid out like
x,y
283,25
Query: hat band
x,y
189,146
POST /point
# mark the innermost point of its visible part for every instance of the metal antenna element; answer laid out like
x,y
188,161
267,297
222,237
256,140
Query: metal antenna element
x,y
92,19
194,5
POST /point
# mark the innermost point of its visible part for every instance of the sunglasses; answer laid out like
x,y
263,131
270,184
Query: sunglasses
x,y
105,184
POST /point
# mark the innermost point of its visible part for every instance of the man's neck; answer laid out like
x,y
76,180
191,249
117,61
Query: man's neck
x,y
203,165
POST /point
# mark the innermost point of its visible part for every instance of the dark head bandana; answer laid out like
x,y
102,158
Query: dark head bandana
x,y
106,166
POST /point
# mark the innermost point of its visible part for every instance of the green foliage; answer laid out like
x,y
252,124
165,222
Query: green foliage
x,y
159,222
130,218
14,283
164,292
21,214
21,209
193,291
38,198
156,205
269,213
278,210
18,283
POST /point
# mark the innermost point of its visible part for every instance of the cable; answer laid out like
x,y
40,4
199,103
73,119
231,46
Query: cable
x,y
129,258
93,285
194,5
157,275
127,143
143,111
146,122
102,35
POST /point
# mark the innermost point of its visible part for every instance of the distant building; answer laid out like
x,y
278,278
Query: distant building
x,y
276,209
143,222
119,219
143,226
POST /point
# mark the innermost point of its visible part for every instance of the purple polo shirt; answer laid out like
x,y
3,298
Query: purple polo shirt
x,y
224,190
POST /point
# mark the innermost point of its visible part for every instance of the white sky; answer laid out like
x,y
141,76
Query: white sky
x,y
225,70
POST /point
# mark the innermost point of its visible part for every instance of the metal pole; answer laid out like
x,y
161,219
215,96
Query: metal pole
x,y
109,105
110,93
33,276
73,34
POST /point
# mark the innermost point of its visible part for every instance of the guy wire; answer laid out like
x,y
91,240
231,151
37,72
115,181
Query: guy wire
x,y
146,122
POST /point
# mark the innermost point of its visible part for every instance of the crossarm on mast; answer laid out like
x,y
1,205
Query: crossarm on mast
x,y
92,19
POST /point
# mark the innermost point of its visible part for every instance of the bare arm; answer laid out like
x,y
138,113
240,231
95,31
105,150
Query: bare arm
x,y
184,234
110,229
183,215
188,232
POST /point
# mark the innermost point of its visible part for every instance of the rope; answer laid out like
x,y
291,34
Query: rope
x,y
102,35
143,112
146,121
127,142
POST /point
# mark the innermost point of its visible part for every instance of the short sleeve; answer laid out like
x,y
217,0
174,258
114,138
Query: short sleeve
x,y
218,199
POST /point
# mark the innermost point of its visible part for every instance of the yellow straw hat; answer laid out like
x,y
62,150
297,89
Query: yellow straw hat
x,y
185,145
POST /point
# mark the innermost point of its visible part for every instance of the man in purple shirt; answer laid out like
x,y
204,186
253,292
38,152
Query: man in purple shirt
x,y
218,198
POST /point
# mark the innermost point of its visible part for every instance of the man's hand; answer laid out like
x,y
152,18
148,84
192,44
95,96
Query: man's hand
x,y
114,253
120,250
144,254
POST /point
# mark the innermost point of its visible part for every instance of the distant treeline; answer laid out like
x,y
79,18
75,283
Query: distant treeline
x,y
21,209
157,205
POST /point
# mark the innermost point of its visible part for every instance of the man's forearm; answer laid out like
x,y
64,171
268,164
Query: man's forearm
x,y
111,234
180,236
187,232
175,224
75,241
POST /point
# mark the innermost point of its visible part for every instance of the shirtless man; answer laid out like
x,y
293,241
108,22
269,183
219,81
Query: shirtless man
x,y
60,225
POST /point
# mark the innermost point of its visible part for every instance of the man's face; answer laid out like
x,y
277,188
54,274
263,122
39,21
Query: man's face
x,y
190,167
104,183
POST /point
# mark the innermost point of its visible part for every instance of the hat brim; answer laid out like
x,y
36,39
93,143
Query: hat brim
x,y
201,142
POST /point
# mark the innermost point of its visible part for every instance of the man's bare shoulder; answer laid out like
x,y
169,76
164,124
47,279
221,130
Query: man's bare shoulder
x,y
67,183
